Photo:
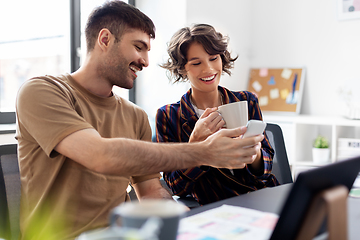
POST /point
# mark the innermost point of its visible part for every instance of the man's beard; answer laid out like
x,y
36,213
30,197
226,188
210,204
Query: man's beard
x,y
119,74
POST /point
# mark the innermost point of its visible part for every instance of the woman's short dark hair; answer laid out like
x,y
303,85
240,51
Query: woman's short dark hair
x,y
213,42
118,17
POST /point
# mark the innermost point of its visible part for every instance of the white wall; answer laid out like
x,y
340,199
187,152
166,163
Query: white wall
x,y
153,89
281,33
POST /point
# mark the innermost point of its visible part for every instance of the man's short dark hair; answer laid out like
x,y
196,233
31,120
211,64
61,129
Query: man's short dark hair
x,y
118,17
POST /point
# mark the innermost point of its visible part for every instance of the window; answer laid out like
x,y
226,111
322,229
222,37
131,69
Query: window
x,y
38,42
32,43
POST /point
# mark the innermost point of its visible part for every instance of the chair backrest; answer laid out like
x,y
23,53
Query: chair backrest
x,y
281,167
10,191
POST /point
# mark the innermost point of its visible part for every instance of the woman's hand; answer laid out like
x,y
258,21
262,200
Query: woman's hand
x,y
258,163
209,122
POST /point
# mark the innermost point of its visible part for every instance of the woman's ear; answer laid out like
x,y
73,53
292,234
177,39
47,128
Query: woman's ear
x,y
183,72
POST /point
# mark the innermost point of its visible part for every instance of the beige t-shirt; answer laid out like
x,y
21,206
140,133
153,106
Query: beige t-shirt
x,y
58,194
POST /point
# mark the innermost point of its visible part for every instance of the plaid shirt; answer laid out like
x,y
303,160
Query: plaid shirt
x,y
175,122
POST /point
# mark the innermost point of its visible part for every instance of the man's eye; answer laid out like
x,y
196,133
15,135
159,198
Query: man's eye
x,y
137,47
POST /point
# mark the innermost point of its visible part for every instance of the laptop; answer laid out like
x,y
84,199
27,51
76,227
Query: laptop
x,y
306,186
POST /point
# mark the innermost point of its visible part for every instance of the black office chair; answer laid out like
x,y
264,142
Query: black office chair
x,y
10,191
281,167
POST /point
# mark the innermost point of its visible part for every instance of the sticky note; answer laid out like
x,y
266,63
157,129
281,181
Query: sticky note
x,y
257,86
263,72
286,73
271,81
263,101
284,93
274,93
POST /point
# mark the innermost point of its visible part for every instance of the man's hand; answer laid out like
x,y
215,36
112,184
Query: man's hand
x,y
226,149
209,122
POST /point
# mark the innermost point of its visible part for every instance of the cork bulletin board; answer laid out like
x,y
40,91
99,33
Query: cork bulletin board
x,y
278,89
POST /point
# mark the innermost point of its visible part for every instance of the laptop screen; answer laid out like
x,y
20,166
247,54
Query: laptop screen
x,y
306,186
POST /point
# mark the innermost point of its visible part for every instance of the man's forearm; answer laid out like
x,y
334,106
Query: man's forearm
x,y
128,157
133,157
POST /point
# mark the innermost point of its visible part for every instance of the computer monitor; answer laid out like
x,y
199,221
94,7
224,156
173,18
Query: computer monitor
x,y
307,185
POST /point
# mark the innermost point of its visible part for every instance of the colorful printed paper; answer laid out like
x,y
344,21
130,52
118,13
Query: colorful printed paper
x,y
228,222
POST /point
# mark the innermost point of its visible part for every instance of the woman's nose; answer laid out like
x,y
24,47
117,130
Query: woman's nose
x,y
207,67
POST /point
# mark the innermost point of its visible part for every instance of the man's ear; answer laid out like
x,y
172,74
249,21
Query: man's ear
x,y
104,39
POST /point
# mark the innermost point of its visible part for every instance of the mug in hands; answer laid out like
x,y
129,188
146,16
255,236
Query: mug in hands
x,y
234,114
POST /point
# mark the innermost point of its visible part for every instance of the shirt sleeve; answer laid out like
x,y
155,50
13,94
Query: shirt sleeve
x,y
46,114
181,182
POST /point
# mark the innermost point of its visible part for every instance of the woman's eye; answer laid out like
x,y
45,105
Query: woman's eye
x,y
213,59
195,64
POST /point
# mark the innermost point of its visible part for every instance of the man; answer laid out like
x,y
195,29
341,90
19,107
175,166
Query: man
x,y
80,145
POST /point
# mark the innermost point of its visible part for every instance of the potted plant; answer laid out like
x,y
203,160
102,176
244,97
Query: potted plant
x,y
321,150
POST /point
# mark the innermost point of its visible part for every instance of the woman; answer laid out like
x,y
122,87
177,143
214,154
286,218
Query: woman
x,y
199,54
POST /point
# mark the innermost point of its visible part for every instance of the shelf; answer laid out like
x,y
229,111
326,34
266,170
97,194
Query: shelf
x,y
312,119
308,163
301,130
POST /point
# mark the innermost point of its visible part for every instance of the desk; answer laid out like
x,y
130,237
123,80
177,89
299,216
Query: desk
x,y
272,199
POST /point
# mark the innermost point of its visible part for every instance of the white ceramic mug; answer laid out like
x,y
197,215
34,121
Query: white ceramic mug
x,y
234,114
135,214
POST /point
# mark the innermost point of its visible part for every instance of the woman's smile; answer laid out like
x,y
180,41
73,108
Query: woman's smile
x,y
209,79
